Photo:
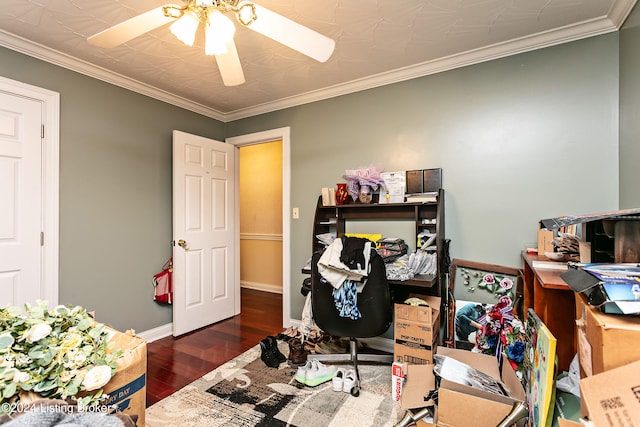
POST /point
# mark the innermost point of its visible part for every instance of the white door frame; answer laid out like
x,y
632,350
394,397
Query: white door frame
x,y
50,175
257,138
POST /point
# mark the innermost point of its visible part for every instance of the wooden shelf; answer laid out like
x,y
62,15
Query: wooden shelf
x,y
553,301
333,219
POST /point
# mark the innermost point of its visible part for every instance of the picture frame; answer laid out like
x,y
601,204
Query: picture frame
x,y
474,287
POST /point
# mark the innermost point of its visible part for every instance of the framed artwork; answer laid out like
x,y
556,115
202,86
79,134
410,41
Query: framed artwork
x,y
541,367
475,287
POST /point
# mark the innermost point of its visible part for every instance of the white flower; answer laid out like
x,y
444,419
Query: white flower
x,y
8,361
64,340
22,360
59,310
72,340
517,324
76,359
66,376
21,377
97,377
37,332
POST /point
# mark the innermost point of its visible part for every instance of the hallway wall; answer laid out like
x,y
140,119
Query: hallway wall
x,y
261,216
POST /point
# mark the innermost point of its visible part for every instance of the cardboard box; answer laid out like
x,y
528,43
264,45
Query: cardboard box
x,y
398,374
416,331
127,389
612,398
545,241
418,383
568,423
487,409
605,341
414,392
461,405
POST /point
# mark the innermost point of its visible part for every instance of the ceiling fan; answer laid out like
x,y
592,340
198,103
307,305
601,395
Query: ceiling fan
x,y
219,31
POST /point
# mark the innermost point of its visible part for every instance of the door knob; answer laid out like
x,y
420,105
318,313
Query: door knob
x,y
183,244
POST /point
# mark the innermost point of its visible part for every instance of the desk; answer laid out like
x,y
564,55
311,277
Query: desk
x,y
554,302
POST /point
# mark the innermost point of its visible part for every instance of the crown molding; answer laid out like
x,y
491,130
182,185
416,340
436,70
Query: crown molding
x,y
38,51
610,23
500,50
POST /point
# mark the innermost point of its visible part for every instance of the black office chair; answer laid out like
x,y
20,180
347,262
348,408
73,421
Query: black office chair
x,y
374,304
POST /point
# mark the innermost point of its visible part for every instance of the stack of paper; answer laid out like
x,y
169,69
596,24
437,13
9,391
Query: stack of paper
x,y
423,262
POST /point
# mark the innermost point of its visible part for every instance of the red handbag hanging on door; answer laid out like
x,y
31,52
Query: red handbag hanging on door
x,y
162,284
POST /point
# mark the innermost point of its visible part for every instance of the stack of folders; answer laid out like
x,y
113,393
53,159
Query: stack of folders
x,y
423,262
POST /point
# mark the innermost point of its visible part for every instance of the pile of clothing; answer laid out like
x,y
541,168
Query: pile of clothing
x,y
345,265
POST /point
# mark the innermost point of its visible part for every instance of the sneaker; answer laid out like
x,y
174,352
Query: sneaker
x,y
349,381
338,379
319,373
301,373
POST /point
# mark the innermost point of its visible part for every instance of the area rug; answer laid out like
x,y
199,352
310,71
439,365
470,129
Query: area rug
x,y
245,392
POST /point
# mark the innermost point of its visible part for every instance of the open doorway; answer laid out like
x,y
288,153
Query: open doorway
x,y
261,216
283,135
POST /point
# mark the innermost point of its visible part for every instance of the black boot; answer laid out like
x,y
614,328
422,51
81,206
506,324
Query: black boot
x,y
268,356
273,342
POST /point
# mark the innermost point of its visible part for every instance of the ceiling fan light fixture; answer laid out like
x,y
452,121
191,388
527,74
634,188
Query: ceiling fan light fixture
x,y
185,27
246,13
218,31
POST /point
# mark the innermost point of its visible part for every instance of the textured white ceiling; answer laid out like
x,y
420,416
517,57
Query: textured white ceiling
x,y
377,42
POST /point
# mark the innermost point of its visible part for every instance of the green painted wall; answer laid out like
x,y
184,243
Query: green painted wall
x,y
630,111
519,139
115,190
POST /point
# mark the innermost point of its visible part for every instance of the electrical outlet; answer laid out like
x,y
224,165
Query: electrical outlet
x,y
296,213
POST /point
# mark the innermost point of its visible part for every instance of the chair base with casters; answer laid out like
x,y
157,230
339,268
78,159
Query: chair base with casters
x,y
355,357
374,305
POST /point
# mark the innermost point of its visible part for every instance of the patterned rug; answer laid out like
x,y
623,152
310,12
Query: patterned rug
x,y
244,392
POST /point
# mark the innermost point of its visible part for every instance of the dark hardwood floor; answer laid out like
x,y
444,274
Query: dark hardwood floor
x,y
172,363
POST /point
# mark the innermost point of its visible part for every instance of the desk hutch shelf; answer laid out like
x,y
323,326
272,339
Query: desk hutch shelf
x,y
427,217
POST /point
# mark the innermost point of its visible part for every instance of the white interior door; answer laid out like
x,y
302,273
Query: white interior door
x,y
21,201
205,279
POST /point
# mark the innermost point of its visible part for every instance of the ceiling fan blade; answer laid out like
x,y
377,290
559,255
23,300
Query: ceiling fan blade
x,y
131,28
291,34
229,65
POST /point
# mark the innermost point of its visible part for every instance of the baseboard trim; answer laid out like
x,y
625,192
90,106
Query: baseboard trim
x,y
164,331
157,333
378,343
266,287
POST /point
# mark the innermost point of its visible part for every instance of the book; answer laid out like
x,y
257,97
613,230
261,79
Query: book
x,y
328,196
422,197
332,196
